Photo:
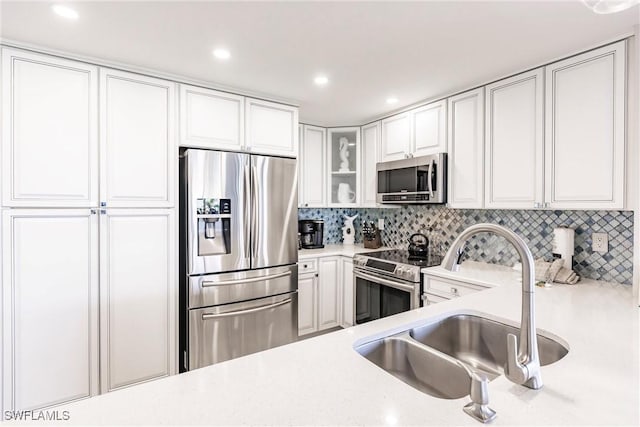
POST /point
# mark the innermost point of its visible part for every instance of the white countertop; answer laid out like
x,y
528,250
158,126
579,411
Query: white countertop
x,y
479,273
323,381
336,250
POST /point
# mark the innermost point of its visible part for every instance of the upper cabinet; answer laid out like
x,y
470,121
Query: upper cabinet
x,y
271,128
417,132
313,167
50,131
344,165
585,130
396,137
137,140
514,161
369,177
466,149
211,119
430,129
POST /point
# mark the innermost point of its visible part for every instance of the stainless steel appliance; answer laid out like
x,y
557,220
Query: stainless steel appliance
x,y
387,282
238,252
415,180
311,233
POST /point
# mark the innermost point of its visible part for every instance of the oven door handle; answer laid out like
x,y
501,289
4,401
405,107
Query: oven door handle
x,y
208,283
386,282
207,316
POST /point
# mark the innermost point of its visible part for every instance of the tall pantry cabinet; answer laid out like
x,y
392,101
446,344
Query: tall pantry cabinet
x,y
88,229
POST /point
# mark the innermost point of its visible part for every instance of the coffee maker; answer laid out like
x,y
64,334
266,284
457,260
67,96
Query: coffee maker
x,y
311,233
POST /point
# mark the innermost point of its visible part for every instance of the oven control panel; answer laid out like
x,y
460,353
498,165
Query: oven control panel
x,y
405,272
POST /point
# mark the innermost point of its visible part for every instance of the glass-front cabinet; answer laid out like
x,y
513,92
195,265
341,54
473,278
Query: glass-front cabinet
x,y
344,163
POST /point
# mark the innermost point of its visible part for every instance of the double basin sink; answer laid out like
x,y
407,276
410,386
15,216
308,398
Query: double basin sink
x,y
442,357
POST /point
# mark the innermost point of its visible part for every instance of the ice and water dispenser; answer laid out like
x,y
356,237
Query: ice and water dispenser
x,y
214,226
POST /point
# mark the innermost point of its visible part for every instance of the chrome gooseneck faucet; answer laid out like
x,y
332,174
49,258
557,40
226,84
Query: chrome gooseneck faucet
x,y
523,362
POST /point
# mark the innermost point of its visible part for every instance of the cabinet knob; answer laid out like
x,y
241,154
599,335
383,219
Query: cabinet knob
x,y
305,265
537,205
454,291
316,274
103,204
94,211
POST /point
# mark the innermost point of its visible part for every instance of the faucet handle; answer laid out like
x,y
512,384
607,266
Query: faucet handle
x,y
514,370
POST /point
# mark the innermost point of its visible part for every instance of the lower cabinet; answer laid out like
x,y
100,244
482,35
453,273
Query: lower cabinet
x,y
307,313
137,296
437,289
50,307
347,292
88,302
328,295
319,294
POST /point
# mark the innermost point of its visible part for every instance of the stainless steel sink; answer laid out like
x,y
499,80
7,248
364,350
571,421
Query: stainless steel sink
x,y
418,366
481,342
455,357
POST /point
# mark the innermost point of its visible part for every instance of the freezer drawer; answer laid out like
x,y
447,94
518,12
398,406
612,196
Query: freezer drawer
x,y
225,332
226,288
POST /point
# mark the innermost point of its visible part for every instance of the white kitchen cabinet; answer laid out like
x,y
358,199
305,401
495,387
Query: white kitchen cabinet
x,y
466,149
343,159
319,294
514,144
271,128
137,141
138,288
50,307
429,129
313,167
307,303
396,137
437,289
369,178
211,119
49,132
328,292
585,130
346,284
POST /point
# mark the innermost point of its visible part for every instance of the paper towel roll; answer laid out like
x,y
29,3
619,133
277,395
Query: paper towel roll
x,y
563,244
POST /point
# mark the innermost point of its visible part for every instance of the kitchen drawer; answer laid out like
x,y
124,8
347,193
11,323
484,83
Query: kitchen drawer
x,y
449,288
430,298
308,266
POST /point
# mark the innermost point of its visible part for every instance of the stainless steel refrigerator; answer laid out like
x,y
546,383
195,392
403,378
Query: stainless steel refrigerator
x,y
238,254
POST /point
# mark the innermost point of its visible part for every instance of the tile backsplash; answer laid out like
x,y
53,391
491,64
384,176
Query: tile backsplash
x,y
443,224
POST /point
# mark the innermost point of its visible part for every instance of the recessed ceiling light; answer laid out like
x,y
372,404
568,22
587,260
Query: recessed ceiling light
x,y
221,54
65,11
321,80
392,100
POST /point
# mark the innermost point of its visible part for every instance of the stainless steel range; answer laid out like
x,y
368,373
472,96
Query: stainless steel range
x,y
387,282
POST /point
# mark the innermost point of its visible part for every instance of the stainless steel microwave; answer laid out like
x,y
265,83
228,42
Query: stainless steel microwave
x,y
417,180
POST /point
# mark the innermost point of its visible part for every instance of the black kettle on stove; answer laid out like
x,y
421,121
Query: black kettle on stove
x,y
418,246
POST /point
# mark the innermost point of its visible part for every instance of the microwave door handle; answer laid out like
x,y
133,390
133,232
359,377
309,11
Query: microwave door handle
x,y
430,178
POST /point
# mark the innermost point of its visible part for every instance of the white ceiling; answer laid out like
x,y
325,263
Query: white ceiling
x,y
369,50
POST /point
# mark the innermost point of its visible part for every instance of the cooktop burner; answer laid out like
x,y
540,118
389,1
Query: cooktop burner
x,y
401,256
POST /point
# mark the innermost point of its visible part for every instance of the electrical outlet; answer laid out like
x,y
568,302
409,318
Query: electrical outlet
x,y
600,242
380,223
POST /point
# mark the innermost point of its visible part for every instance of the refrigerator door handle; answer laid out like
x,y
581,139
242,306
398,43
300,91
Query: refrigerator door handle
x,y
208,283
248,191
254,213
